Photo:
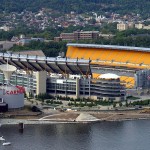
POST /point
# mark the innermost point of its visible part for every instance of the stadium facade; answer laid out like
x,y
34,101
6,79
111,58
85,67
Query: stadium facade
x,y
74,86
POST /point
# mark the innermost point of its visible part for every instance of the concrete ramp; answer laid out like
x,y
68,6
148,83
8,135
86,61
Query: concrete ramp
x,y
85,117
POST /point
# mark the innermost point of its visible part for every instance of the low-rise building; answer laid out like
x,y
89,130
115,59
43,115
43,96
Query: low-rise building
x,y
79,35
57,39
3,106
107,36
5,28
147,27
122,26
86,35
139,26
5,45
67,36
23,42
26,41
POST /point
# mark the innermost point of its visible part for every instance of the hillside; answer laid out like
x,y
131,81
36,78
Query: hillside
x,y
79,6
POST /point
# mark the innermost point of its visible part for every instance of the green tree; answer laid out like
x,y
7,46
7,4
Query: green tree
x,y
114,105
126,103
120,104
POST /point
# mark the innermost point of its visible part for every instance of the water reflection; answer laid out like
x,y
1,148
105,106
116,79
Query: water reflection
x,y
97,136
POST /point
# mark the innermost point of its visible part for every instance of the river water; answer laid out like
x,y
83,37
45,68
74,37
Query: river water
x,y
123,135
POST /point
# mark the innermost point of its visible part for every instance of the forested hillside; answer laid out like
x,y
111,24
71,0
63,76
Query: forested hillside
x,y
80,6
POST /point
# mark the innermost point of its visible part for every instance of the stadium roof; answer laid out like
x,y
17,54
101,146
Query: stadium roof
x,y
110,47
49,64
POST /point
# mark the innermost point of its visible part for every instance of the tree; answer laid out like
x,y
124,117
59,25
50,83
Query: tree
x,y
114,104
127,103
120,104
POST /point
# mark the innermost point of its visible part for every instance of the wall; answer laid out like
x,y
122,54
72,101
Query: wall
x,y
41,78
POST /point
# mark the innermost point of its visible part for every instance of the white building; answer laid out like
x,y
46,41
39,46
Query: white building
x,y
122,26
5,28
147,27
139,26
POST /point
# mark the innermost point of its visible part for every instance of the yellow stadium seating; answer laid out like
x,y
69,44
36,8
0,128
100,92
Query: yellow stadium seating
x,y
129,81
114,57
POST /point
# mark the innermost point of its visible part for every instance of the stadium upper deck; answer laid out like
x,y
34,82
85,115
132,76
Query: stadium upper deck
x,y
49,64
111,55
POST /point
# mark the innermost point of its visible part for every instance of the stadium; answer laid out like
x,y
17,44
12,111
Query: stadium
x,y
130,63
100,72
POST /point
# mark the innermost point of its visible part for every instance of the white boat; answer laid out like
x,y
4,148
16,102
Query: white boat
x,y
2,139
6,143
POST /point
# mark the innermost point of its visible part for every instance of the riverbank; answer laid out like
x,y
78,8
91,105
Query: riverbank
x,y
70,117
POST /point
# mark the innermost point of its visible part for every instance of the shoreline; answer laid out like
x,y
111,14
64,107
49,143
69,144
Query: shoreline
x,y
76,117
39,122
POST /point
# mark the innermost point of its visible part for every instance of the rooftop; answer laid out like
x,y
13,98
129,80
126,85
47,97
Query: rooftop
x,y
49,64
110,47
32,53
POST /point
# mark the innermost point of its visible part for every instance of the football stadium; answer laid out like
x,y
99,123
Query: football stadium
x,y
98,72
130,63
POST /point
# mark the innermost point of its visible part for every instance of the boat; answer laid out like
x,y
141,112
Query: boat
x,y
6,143
2,139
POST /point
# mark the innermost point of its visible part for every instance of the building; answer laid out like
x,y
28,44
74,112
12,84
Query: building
x,y
80,35
12,95
107,87
5,45
67,36
104,88
106,36
83,35
143,79
139,26
31,53
21,78
3,106
26,41
131,25
125,26
57,39
5,28
147,27
23,42
122,26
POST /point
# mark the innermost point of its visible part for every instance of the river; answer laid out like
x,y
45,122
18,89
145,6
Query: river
x,y
123,135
